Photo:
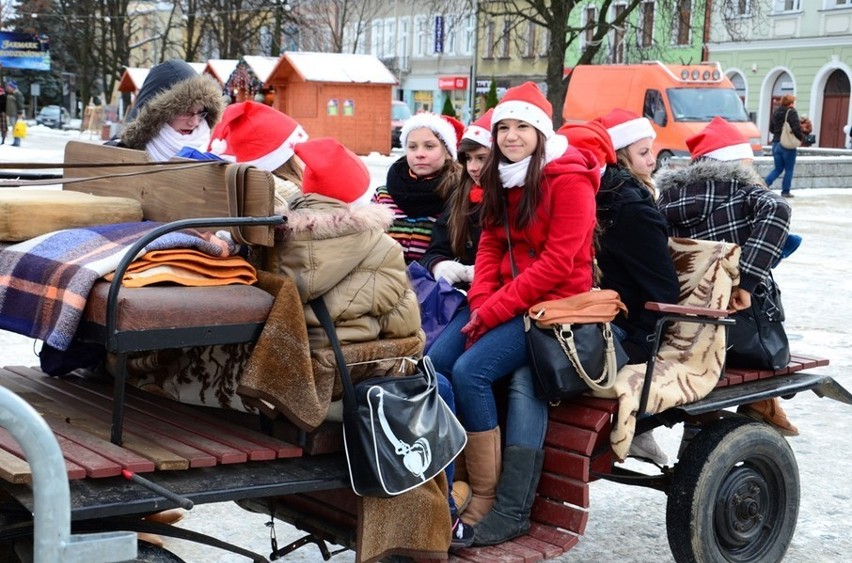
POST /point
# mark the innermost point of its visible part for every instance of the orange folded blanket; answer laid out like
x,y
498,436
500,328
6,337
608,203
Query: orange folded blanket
x,y
189,267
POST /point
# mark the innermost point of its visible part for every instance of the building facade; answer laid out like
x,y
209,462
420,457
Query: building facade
x,y
798,47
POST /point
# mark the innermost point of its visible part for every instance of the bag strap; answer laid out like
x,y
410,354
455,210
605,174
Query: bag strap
x,y
607,378
235,181
321,311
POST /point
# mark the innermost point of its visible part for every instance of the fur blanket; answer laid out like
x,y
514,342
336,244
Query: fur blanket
x,y
690,358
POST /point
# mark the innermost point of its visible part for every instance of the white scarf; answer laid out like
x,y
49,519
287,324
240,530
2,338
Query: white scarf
x,y
168,141
513,174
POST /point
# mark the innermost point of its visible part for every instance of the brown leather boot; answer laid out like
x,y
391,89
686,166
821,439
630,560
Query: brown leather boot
x,y
484,463
461,468
770,412
171,516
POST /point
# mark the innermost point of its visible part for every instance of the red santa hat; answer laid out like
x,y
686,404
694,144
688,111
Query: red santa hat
x,y
480,130
720,141
625,127
256,134
592,136
440,125
526,103
333,171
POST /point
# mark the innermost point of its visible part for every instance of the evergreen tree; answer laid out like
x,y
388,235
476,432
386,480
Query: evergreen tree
x,y
448,108
491,98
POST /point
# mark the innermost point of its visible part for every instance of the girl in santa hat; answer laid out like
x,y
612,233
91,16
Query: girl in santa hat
x,y
720,196
540,192
417,182
632,239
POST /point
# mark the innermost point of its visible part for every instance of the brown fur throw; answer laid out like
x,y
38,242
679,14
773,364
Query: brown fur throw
x,y
690,358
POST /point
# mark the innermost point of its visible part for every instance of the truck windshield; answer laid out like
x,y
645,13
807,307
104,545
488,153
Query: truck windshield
x,y
703,104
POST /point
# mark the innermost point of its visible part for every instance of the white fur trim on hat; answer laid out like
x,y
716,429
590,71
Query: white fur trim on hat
x,y
524,111
740,151
479,135
270,161
627,133
438,125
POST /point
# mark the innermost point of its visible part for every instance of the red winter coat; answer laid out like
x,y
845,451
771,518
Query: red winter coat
x,y
554,252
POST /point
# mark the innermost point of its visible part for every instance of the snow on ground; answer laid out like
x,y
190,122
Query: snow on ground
x,y
627,524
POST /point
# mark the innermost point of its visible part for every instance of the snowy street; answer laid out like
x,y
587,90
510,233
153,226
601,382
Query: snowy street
x,y
627,524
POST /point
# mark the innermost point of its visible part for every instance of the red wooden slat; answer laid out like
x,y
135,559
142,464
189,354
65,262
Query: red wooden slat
x,y
563,516
493,554
564,489
734,379
559,538
751,375
570,438
95,465
8,443
547,550
602,462
522,552
125,458
580,416
607,405
565,463
723,382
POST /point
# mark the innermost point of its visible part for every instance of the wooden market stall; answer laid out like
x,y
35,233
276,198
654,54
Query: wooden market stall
x,y
345,96
221,69
249,79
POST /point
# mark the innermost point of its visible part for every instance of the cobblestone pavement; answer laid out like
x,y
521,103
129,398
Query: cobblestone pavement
x,y
627,524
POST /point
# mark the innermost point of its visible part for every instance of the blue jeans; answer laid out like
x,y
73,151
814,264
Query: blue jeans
x,y
500,352
445,390
449,345
785,161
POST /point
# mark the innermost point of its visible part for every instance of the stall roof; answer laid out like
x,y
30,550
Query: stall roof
x,y
261,66
337,67
132,79
221,69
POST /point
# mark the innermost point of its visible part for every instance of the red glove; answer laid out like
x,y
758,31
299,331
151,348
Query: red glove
x,y
474,329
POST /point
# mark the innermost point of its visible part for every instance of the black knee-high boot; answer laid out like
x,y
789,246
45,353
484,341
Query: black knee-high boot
x,y
510,516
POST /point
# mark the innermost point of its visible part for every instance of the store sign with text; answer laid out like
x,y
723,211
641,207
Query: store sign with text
x,y
452,82
24,50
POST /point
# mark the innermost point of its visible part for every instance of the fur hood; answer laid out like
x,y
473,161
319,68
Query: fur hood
x,y
156,110
318,217
708,170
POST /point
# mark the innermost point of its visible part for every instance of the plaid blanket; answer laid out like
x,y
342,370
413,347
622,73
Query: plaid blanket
x,y
45,281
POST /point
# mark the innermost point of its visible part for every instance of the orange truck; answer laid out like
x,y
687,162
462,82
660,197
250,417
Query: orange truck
x,y
680,100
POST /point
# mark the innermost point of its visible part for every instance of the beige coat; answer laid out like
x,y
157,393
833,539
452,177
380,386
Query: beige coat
x,y
345,255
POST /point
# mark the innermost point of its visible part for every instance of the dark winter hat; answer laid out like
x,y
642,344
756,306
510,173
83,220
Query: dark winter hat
x,y
161,78
12,84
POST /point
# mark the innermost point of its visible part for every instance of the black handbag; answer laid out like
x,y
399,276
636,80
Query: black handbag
x,y
758,339
568,360
398,432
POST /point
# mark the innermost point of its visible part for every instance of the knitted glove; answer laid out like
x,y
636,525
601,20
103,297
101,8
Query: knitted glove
x,y
450,270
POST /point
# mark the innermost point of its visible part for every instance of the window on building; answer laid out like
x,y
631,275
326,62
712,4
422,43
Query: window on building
x,y
451,34
402,47
488,52
544,42
504,39
376,38
786,5
738,8
529,47
389,47
618,36
829,4
590,17
647,23
469,35
683,22
421,36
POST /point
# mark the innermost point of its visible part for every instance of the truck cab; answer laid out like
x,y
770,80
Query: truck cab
x,y
680,100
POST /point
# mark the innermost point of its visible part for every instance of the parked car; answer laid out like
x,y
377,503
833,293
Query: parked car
x,y
50,117
399,114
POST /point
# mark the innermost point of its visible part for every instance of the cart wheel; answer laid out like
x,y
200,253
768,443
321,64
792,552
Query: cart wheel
x,y
734,495
149,553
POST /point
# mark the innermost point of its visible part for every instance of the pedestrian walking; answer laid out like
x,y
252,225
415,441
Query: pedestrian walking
x,y
785,158
14,106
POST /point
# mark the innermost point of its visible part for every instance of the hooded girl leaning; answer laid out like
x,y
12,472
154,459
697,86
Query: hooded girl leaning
x,y
720,196
175,108
541,192
416,182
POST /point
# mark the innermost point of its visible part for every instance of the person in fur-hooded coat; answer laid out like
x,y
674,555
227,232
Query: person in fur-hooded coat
x,y
338,248
175,108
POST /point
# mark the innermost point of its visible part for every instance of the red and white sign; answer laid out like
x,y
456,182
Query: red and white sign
x,y
452,82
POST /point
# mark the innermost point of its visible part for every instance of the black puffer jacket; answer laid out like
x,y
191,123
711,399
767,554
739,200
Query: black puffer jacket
x,y
777,122
171,88
633,256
